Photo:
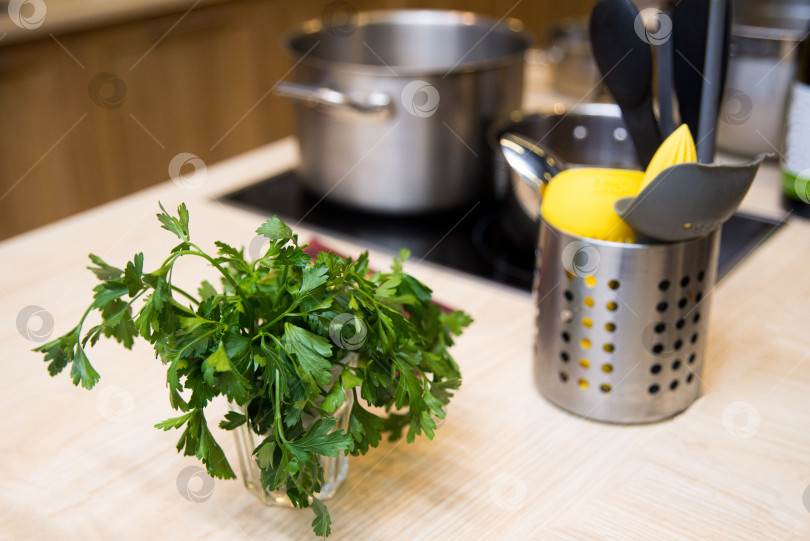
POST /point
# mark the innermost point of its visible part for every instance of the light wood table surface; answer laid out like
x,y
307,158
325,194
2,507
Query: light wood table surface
x,y
505,464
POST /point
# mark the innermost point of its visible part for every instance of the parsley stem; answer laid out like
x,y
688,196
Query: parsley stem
x,y
181,307
90,309
81,321
281,316
277,408
205,335
238,290
373,299
175,288
287,312
283,282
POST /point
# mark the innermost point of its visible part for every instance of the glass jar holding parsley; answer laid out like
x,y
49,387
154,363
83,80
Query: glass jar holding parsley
x,y
249,437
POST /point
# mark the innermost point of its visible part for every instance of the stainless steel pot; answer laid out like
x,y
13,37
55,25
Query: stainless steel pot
x,y
573,70
590,134
393,107
762,66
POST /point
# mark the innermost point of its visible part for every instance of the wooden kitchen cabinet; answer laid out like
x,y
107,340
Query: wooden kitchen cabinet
x,y
89,115
39,135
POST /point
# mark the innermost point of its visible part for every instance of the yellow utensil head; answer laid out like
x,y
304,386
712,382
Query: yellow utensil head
x,y
580,201
679,147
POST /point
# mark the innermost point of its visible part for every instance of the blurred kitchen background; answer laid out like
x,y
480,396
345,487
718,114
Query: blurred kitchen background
x,y
97,97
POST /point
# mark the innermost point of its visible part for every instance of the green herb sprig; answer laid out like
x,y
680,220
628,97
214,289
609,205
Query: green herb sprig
x,y
270,342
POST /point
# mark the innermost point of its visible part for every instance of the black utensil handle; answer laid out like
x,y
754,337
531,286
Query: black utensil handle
x,y
689,26
712,82
643,128
665,102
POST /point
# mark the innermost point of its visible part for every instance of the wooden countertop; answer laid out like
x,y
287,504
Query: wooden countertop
x,y
506,464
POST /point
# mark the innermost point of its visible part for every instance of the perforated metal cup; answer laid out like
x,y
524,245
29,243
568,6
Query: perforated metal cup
x,y
621,327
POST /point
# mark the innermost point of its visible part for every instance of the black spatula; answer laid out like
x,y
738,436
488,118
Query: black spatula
x,y
625,61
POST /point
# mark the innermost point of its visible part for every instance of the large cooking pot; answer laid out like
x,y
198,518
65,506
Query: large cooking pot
x,y
392,107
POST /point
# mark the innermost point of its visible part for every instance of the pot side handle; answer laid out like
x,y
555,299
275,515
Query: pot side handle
x,y
375,103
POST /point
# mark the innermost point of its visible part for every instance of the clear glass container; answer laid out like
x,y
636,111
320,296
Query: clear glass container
x,y
335,469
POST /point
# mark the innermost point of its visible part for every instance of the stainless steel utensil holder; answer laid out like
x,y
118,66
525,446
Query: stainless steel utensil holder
x,y
621,327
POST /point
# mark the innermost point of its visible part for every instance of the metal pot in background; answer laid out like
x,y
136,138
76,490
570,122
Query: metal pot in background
x,y
393,107
761,68
570,60
591,134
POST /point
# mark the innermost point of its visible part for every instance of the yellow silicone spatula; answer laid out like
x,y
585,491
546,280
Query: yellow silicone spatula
x,y
580,201
679,147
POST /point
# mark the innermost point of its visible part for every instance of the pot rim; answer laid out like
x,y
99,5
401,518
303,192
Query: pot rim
x,y
558,110
505,26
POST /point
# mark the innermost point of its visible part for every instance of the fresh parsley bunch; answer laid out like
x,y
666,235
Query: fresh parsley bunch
x,y
263,342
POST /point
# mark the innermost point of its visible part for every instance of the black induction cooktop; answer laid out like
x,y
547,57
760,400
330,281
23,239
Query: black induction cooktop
x,y
469,239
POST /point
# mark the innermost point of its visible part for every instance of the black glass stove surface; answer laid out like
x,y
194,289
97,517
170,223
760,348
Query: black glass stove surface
x,y
467,239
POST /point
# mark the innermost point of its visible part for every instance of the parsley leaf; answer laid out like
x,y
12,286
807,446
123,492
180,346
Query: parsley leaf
x,y
275,229
311,351
175,422
178,226
320,439
333,399
103,271
82,371
322,524
313,277
217,362
265,452
365,427
233,420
